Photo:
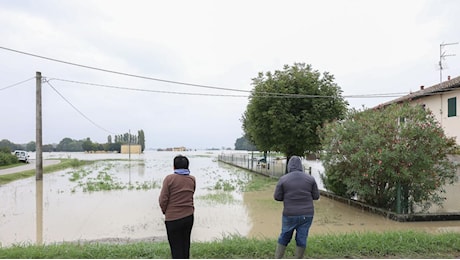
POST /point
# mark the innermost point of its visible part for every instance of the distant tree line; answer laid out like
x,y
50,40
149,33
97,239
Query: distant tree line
x,y
85,145
243,143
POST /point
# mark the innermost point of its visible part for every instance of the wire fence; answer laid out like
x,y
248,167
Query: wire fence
x,y
272,167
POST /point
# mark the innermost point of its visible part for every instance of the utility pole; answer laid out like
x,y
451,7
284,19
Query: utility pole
x,y
129,145
442,56
38,131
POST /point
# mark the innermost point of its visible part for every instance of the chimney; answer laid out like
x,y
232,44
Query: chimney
x,y
422,87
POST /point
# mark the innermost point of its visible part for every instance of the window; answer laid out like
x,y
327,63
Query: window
x,y
452,107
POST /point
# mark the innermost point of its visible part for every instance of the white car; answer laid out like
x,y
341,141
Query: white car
x,y
23,156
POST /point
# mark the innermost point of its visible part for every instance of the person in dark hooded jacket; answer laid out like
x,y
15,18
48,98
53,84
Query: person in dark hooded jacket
x,y
296,190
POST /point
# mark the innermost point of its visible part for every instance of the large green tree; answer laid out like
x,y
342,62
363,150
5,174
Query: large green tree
x,y
69,145
378,154
10,145
287,107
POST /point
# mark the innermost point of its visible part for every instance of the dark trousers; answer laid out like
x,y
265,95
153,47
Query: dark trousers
x,y
179,232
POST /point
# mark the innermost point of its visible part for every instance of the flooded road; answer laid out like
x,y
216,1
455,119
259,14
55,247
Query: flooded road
x,y
65,207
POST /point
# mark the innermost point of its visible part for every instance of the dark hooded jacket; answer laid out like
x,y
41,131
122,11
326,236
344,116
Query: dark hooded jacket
x,y
297,190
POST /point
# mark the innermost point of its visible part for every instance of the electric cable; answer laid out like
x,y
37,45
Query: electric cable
x,y
120,73
143,90
16,84
260,94
76,109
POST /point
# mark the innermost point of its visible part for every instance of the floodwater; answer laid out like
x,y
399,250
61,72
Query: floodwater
x,y
57,209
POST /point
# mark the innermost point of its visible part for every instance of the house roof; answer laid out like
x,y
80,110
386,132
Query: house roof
x,y
444,86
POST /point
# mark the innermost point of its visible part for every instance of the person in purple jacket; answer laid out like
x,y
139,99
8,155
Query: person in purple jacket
x,y
296,190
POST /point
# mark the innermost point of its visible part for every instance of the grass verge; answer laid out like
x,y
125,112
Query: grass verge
x,y
404,244
64,164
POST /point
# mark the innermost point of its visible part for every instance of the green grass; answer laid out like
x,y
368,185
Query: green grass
x,y
259,182
219,197
64,164
2,167
406,244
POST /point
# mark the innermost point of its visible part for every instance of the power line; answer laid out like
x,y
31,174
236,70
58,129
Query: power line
x,y
259,94
76,109
143,90
16,84
121,73
377,95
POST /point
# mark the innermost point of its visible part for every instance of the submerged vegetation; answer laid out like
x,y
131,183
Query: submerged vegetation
x,y
219,197
239,181
105,179
407,244
64,164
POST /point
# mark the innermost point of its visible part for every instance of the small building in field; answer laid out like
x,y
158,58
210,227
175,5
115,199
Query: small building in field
x,y
132,148
179,149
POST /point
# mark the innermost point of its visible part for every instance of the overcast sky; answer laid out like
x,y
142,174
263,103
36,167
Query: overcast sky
x,y
371,47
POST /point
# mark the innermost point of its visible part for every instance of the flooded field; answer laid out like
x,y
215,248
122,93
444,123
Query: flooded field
x,y
68,205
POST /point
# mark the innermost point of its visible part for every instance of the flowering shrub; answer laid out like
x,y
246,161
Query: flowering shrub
x,y
376,154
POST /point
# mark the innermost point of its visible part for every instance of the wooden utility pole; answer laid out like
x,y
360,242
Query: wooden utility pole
x,y
38,132
129,144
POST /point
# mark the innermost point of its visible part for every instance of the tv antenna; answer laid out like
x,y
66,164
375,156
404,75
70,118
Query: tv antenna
x,y
442,56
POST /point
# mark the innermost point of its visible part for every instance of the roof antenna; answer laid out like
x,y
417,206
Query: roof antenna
x,y
442,56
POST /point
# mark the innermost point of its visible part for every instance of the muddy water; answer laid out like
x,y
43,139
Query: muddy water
x,y
57,209
331,217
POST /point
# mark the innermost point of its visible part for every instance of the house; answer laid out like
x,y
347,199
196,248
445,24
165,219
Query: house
x,y
131,149
179,149
441,99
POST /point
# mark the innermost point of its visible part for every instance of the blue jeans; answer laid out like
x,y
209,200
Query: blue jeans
x,y
301,225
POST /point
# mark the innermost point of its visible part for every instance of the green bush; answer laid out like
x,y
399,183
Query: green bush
x,y
378,153
6,158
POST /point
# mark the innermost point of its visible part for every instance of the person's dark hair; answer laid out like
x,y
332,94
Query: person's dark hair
x,y
180,162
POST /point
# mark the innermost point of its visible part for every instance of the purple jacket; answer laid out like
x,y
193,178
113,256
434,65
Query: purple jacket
x,y
297,190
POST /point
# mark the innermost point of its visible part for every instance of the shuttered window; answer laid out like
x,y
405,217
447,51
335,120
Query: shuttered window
x,y
452,107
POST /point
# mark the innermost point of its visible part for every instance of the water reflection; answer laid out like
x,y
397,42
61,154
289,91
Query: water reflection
x,y
39,210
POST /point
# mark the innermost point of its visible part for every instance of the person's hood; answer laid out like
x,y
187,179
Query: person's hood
x,y
295,164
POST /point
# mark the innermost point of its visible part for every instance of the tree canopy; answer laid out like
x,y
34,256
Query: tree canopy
x,y
377,154
71,145
243,143
287,107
